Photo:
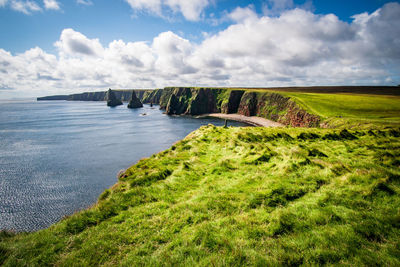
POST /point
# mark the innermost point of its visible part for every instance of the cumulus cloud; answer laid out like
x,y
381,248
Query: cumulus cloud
x,y
74,43
294,48
51,4
26,7
241,14
191,10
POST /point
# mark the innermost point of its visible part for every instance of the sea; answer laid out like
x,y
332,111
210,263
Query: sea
x,y
57,157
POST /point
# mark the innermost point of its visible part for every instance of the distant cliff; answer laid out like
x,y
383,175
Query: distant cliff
x,y
149,95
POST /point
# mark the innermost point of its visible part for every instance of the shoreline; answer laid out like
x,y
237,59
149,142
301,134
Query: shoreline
x,y
253,120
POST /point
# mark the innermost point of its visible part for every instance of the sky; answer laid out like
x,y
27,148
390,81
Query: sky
x,y
50,47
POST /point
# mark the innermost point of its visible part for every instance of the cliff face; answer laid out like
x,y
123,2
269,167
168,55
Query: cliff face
x,y
273,106
196,101
153,96
123,95
232,105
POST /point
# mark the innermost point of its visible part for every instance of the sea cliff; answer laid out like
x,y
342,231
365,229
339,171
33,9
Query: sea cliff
x,y
276,104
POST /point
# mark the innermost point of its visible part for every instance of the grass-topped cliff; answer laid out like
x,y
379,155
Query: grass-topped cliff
x,y
238,196
353,107
329,106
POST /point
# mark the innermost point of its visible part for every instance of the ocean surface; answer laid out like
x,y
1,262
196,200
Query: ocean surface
x,y
56,157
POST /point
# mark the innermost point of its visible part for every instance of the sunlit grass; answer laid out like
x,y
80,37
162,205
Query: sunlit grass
x,y
351,108
239,196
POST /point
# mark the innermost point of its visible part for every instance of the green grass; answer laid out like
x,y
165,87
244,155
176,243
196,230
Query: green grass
x,y
238,196
351,109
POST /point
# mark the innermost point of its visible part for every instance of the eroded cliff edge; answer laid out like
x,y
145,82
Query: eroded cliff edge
x,y
269,105
197,101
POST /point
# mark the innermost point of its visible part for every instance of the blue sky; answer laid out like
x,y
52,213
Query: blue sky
x,y
112,20
180,42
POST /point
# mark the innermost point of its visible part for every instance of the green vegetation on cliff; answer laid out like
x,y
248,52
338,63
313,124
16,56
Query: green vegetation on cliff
x,y
351,110
238,196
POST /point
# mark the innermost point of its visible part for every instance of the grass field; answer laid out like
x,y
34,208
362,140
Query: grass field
x,y
351,110
239,196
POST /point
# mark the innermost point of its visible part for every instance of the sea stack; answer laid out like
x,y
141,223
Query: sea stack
x,y
134,102
112,101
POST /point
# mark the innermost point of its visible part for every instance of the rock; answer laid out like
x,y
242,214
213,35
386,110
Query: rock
x,y
178,101
134,102
248,104
203,101
112,101
233,103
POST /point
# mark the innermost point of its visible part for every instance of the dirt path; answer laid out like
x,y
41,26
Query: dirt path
x,y
256,121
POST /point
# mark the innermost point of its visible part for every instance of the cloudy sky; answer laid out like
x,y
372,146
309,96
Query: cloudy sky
x,y
65,46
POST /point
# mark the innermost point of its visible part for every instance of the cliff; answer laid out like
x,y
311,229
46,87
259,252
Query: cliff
x,y
197,101
269,105
123,95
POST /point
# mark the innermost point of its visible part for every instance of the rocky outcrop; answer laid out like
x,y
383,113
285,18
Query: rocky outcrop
x,y
112,101
134,102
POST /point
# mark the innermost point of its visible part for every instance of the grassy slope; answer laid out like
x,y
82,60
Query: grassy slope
x,y
239,196
351,109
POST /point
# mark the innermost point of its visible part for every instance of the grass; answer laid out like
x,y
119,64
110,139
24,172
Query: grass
x,y
238,196
351,109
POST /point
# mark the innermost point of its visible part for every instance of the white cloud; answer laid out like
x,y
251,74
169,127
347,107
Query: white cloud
x,y
191,10
241,14
295,48
26,7
74,43
3,3
51,4
84,2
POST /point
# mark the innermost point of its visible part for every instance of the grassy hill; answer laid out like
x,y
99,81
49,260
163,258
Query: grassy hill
x,y
351,110
239,196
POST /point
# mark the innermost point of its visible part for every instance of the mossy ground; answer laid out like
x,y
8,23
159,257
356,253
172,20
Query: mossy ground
x,y
239,196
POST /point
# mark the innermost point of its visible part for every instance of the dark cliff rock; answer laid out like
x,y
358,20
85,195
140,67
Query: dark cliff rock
x,y
152,96
248,104
273,106
53,97
112,101
233,102
165,97
190,101
89,96
203,101
123,95
178,101
134,102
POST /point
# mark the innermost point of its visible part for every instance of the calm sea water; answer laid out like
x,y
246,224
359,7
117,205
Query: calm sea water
x,y
56,157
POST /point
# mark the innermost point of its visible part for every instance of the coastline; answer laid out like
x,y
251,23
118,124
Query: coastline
x,y
253,120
